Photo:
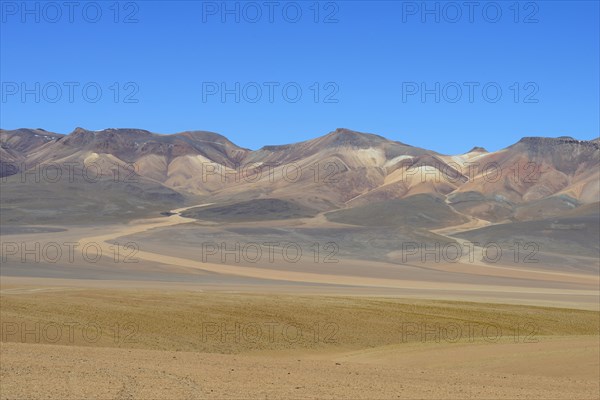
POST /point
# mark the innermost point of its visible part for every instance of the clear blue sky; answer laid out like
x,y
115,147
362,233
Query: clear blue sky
x,y
372,57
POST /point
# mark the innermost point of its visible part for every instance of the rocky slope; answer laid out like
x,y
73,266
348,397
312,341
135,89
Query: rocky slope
x,y
342,169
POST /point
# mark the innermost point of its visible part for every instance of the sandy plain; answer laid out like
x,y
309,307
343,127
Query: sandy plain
x,y
166,252
172,326
124,343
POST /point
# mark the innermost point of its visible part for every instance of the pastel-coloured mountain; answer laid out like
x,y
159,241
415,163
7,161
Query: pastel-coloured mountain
x,y
533,178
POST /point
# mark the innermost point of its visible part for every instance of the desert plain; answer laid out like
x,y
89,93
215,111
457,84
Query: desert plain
x,y
394,280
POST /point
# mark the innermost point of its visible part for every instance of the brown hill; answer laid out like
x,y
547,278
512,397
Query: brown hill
x,y
535,168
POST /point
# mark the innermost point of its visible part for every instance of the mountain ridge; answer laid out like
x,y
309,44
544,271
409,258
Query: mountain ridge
x,y
341,169
337,133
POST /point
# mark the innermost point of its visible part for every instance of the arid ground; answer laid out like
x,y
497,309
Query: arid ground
x,y
405,276
124,343
172,325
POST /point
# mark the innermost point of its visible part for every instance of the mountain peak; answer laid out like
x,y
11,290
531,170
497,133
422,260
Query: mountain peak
x,y
344,130
112,131
538,143
477,149
204,136
347,137
78,130
548,140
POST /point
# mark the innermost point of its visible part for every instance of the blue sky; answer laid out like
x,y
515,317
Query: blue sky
x,y
426,75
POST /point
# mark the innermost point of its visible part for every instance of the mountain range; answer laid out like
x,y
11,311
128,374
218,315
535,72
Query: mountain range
x,y
118,173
